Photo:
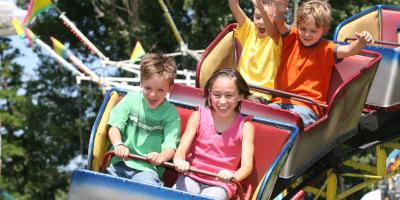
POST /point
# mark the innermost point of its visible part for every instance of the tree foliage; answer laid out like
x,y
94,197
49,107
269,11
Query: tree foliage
x,y
46,121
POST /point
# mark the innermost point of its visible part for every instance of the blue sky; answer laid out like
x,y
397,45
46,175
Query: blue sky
x,y
28,59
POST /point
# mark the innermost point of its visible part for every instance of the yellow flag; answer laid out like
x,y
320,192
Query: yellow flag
x,y
18,28
36,7
137,53
59,48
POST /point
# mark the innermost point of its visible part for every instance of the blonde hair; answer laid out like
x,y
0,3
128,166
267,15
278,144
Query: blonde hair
x,y
319,10
154,64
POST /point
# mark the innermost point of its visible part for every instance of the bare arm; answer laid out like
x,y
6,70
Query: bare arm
x,y
237,12
355,47
181,165
246,165
115,138
281,7
269,25
156,158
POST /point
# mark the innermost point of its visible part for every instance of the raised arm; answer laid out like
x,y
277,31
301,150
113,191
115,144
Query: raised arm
x,y
237,11
269,25
355,47
280,9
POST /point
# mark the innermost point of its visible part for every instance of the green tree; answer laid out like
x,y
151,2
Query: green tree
x,y
12,116
50,126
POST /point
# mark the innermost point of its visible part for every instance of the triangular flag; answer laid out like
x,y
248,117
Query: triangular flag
x,y
18,28
30,36
137,53
36,7
59,48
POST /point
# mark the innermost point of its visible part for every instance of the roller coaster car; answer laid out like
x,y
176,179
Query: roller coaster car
x,y
273,140
381,21
380,122
350,83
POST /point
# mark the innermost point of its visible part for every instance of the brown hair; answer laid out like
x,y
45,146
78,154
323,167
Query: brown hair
x,y
154,64
232,73
319,10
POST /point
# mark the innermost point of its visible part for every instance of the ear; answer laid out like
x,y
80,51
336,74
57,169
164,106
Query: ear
x,y
171,87
241,97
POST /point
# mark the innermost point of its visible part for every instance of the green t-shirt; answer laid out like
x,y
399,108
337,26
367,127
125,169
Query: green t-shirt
x,y
145,130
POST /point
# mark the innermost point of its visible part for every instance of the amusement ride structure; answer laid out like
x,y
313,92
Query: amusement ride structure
x,y
362,113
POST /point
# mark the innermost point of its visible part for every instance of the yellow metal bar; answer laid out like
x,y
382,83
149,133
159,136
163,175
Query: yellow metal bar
x,y
332,186
171,23
364,167
356,188
314,191
381,160
320,190
362,176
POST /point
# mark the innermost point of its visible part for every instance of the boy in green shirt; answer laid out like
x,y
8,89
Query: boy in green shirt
x,y
145,124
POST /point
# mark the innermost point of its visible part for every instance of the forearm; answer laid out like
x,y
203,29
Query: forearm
x,y
350,49
115,135
243,172
167,154
269,25
281,24
237,11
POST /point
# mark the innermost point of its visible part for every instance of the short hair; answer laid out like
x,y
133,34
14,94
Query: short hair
x,y
241,84
154,64
319,10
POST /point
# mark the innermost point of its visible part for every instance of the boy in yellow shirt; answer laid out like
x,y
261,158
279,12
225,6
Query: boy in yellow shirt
x,y
261,46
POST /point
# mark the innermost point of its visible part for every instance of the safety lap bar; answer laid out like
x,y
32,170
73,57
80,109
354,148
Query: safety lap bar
x,y
376,41
289,95
109,154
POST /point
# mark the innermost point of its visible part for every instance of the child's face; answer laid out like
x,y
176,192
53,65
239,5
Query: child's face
x,y
224,96
309,33
155,89
258,21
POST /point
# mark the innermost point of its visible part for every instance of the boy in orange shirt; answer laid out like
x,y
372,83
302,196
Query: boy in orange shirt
x,y
307,61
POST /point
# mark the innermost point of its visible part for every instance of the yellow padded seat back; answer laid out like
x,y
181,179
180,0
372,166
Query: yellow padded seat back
x,y
222,55
101,142
369,22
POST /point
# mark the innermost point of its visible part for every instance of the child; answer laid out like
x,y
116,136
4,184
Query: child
x,y
261,47
145,124
217,139
307,61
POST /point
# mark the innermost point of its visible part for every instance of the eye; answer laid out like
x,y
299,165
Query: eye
x,y
229,96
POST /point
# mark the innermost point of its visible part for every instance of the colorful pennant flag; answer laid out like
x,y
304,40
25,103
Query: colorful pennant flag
x,y
59,48
30,36
137,53
35,8
18,28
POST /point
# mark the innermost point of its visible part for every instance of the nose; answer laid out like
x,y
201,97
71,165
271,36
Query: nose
x,y
152,93
223,99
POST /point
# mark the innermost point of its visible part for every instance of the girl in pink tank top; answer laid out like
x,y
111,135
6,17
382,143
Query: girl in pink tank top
x,y
217,139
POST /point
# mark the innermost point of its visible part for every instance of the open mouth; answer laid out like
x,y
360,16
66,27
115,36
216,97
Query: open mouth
x,y
261,30
152,102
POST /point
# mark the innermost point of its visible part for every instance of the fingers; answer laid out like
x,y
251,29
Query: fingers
x,y
225,175
122,152
365,37
181,165
155,158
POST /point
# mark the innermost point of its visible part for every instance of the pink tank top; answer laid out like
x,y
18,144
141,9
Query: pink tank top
x,y
213,152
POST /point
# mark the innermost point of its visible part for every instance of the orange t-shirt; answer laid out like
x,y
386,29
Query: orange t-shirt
x,y
305,70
